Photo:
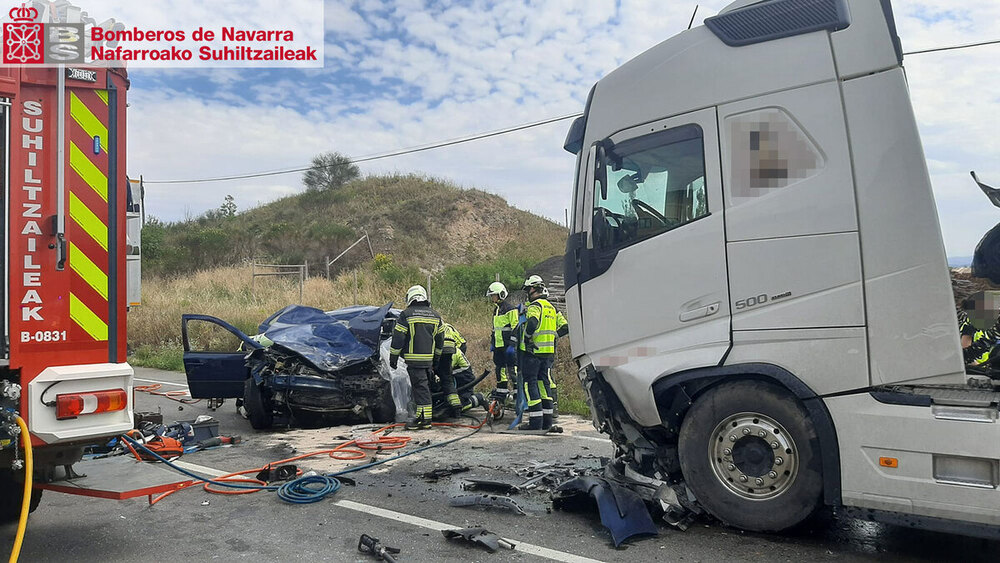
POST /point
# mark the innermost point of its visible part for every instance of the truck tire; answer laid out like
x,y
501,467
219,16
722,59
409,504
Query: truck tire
x,y
750,454
11,491
258,408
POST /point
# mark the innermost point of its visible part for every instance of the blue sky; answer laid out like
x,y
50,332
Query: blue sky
x,y
409,72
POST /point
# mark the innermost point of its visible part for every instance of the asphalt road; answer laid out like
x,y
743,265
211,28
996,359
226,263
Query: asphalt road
x,y
394,503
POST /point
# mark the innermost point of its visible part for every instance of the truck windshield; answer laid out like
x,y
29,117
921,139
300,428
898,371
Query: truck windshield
x,y
649,185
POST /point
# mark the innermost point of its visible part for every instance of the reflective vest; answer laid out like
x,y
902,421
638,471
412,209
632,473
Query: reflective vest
x,y
504,324
452,340
418,336
543,341
459,362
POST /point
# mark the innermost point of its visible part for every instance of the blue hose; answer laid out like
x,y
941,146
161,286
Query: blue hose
x,y
304,490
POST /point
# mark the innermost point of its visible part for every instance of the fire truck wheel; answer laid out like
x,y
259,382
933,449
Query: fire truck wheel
x,y
10,497
750,453
258,408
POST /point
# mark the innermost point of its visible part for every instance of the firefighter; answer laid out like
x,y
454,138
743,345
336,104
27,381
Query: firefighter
x,y
504,341
538,347
451,348
553,392
419,338
461,370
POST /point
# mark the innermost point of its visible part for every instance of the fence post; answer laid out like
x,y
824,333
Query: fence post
x,y
302,281
253,279
369,239
428,287
355,287
327,266
306,265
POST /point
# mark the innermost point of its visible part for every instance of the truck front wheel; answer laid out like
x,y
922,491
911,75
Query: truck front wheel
x,y
750,453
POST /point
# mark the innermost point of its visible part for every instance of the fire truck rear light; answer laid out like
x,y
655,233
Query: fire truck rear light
x,y
72,405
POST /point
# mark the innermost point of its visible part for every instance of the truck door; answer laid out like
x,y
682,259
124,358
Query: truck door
x,y
653,280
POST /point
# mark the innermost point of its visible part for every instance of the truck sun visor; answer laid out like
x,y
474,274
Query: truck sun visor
x,y
777,19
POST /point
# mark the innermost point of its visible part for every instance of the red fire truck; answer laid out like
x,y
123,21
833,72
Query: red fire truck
x,y
66,199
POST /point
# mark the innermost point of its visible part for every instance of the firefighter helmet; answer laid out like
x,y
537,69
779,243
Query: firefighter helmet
x,y
533,281
415,293
498,289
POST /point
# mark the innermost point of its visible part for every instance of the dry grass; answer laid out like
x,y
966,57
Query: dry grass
x,y
154,327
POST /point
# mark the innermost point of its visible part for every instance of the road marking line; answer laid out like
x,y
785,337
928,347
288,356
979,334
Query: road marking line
x,y
160,382
594,438
522,547
200,468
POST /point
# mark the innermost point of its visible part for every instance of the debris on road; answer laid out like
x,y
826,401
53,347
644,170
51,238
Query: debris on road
x,y
279,473
622,511
486,486
493,501
481,536
436,474
373,546
544,477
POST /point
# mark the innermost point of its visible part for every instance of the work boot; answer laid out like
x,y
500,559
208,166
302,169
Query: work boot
x,y
499,395
534,423
555,410
546,421
418,424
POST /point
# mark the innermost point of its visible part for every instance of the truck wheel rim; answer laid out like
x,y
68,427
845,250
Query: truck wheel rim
x,y
753,456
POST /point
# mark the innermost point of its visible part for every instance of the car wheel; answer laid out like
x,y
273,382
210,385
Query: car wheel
x,y
258,408
385,409
750,454
11,495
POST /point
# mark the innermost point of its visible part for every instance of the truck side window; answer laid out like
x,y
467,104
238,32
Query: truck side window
x,y
648,185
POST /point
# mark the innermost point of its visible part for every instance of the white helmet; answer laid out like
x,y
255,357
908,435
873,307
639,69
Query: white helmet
x,y
533,281
498,289
415,293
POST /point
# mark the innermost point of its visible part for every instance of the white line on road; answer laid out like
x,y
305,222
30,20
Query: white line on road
x,y
594,438
161,382
523,547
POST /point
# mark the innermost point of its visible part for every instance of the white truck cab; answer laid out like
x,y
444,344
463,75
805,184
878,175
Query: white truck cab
x,y
757,287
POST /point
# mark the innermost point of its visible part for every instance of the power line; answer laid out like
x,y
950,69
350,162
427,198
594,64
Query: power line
x,y
954,47
378,156
473,137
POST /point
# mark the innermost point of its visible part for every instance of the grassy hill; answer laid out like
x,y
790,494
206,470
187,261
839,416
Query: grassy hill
x,y
463,238
419,222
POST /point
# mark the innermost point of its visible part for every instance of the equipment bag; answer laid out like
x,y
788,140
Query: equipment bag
x,y
164,446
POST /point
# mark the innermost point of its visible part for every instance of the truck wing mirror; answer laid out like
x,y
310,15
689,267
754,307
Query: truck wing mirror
x,y
990,191
574,139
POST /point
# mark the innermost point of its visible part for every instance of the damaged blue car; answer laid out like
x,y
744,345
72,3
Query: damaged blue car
x,y
304,366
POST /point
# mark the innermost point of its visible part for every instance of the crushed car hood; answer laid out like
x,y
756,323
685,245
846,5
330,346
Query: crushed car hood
x,y
328,341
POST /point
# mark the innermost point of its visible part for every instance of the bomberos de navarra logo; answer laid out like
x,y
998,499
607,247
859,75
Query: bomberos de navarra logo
x,y
22,37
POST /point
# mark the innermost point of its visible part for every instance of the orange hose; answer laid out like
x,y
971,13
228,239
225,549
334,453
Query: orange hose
x,y
179,395
347,451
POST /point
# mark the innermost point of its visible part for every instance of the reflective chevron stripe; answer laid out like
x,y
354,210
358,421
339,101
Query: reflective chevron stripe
x,y
91,125
90,223
89,212
88,172
90,272
88,321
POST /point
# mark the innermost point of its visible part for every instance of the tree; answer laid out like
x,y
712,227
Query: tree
x,y
228,207
329,171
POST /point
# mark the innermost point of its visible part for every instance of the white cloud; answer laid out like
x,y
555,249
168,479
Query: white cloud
x,y
402,74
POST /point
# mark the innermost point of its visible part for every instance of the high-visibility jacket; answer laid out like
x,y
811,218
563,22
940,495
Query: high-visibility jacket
x,y
452,340
544,323
983,341
459,362
504,324
418,336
